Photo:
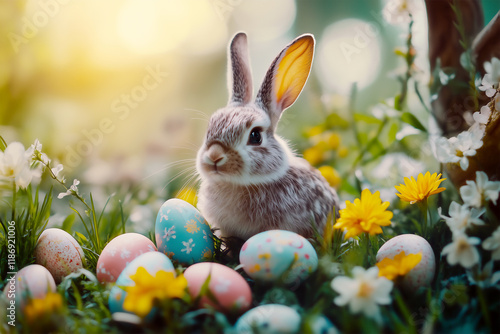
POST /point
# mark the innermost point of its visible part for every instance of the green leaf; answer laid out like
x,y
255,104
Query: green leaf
x,y
348,188
413,121
391,135
3,144
366,118
376,148
81,236
68,223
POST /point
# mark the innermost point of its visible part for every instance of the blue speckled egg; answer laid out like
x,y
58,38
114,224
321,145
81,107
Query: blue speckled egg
x,y
151,261
270,318
273,255
182,233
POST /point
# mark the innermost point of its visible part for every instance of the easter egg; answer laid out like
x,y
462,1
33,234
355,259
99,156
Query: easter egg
x,y
270,318
230,290
423,273
151,261
33,281
119,252
273,255
320,325
59,252
182,233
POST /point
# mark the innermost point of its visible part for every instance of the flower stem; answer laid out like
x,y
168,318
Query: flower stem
x,y
424,208
14,195
484,307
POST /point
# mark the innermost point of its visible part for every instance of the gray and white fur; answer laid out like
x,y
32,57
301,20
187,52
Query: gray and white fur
x,y
251,181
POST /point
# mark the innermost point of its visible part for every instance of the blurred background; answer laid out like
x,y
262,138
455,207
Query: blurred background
x,y
120,92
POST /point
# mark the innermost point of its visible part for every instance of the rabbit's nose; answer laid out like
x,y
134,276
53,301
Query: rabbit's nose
x,y
215,155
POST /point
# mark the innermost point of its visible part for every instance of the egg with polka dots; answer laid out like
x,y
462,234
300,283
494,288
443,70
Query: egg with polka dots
x,y
423,273
182,233
276,255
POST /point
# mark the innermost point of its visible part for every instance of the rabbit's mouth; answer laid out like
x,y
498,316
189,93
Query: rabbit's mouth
x,y
217,160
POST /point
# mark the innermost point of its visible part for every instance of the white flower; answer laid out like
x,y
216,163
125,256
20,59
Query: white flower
x,y
492,69
487,85
398,11
73,190
461,250
474,193
15,165
483,115
492,244
35,152
56,170
459,149
483,277
462,217
363,292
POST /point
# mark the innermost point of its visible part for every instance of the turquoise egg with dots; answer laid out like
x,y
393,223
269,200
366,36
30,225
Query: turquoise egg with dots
x,y
278,255
182,233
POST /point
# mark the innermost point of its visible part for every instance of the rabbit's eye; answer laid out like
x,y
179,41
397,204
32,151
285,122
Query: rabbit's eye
x,y
255,137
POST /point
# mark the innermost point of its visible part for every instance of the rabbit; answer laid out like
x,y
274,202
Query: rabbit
x,y
251,181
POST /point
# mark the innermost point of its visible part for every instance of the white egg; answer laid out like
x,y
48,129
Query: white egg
x,y
270,318
423,273
33,281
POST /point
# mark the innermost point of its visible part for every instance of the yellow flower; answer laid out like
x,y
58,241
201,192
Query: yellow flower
x,y
333,140
331,175
399,266
189,195
314,131
415,191
314,155
343,152
364,215
37,308
141,297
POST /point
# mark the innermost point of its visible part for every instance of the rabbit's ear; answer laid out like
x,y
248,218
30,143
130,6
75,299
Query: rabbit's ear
x,y
239,74
286,77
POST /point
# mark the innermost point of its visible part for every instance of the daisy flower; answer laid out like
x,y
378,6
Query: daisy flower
x,y
400,265
414,191
364,215
364,292
141,297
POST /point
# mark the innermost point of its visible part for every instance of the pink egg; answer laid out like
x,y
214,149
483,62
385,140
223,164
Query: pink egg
x,y
59,252
33,281
423,273
231,291
119,252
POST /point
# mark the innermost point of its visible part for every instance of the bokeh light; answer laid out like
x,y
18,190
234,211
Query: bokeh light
x,y
349,52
